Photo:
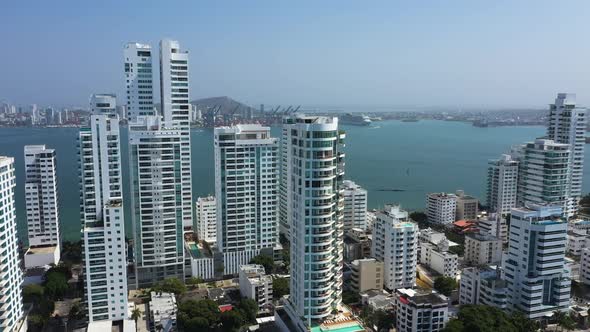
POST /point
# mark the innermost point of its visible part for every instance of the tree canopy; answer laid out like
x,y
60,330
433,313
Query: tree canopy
x,y
280,287
488,319
170,285
445,285
266,261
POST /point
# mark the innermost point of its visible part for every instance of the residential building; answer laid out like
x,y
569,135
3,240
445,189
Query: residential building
x,y
502,184
567,125
538,281
158,213
545,174
202,259
139,80
41,202
11,301
420,312
430,235
162,312
367,274
357,244
467,206
484,286
355,206
579,225
494,224
482,249
441,208
585,266
315,171
438,258
102,215
576,241
255,284
395,243
206,221
246,178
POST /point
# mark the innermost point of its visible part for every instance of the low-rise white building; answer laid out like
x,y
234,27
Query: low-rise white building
x,y
494,224
202,262
206,222
255,284
441,208
576,241
438,258
482,249
162,310
483,286
417,312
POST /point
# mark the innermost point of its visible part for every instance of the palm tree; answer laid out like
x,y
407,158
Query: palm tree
x,y
135,315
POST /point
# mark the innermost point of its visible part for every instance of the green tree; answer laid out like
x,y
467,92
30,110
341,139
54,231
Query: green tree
x,y
76,312
349,297
197,324
63,268
205,309
445,285
33,293
231,321
193,281
249,308
524,324
136,315
420,218
383,320
170,285
280,287
266,261
56,285
481,318
36,322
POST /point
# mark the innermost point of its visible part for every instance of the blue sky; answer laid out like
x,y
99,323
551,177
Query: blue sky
x,y
350,54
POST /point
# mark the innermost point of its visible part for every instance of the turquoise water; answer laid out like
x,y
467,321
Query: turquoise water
x,y
195,250
416,157
353,328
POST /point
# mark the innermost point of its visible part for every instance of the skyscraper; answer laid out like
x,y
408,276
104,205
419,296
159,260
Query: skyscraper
x,y
160,161
246,178
538,281
355,206
42,206
138,80
11,278
395,243
544,174
103,224
567,125
314,169
502,184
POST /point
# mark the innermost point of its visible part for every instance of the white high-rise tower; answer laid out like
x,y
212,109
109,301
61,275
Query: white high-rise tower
x,y
138,80
314,168
246,179
502,184
103,224
11,277
567,125
42,206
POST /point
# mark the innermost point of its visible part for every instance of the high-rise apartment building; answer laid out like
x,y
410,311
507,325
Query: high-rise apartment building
x,y
103,221
395,243
567,125
367,274
314,167
502,184
255,284
355,206
206,221
482,249
11,278
538,282
42,206
139,80
158,212
246,178
441,208
545,174
467,206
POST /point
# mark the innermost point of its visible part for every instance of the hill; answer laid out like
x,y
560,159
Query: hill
x,y
227,104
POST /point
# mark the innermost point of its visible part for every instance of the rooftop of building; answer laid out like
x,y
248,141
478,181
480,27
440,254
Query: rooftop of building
x,y
421,297
162,305
41,250
310,119
199,249
209,198
442,195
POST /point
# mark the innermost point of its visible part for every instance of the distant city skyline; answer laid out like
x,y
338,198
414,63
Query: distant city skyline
x,y
345,55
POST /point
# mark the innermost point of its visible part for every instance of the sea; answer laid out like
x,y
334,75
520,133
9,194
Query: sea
x,y
397,162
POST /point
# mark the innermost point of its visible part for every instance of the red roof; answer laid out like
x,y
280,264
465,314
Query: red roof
x,y
225,307
463,223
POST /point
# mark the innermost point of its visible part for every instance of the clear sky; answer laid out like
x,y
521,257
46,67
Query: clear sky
x,y
484,54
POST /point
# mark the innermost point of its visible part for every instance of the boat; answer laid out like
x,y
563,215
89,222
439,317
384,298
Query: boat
x,y
355,119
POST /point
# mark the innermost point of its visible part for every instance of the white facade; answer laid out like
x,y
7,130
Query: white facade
x,y
246,181
483,286
206,221
163,310
11,277
482,249
158,212
255,284
494,224
438,258
395,243
41,201
139,80
355,206
544,175
420,312
502,184
441,208
538,282
576,241
585,266
315,167
102,214
567,125
104,103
